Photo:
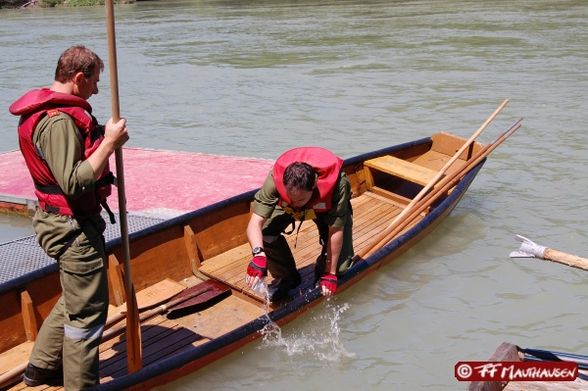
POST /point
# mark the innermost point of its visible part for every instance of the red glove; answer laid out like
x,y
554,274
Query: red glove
x,y
257,267
329,281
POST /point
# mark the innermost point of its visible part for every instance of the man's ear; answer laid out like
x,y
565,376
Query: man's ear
x,y
79,77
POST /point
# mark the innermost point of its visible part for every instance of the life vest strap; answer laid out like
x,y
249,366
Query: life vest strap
x,y
48,189
109,211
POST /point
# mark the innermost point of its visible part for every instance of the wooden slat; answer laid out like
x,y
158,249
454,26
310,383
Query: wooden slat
x,y
17,354
397,199
117,289
28,315
437,160
163,337
403,169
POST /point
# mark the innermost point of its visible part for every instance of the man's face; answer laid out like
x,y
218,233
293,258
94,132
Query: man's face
x,y
88,86
298,197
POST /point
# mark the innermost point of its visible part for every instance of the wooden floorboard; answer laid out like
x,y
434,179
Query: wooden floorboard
x,y
164,337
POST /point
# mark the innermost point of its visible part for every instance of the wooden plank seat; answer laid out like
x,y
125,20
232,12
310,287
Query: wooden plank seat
x,y
371,214
403,169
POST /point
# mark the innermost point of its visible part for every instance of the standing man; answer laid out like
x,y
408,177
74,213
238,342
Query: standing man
x,y
305,184
67,152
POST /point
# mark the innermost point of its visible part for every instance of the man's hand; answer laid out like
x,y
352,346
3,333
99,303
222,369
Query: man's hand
x,y
328,284
256,270
116,133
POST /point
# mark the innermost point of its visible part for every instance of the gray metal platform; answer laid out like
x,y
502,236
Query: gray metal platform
x,y
23,256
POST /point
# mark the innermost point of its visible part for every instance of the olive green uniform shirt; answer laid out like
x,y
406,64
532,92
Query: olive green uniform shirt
x,y
58,140
267,198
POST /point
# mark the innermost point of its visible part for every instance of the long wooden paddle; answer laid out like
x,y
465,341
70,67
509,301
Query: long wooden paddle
x,y
415,201
189,300
134,357
444,186
12,376
530,249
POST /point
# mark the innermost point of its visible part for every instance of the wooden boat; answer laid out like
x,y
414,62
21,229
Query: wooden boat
x,y
210,244
508,352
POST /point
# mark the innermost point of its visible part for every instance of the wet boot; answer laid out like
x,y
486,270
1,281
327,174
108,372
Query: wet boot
x,y
35,376
282,267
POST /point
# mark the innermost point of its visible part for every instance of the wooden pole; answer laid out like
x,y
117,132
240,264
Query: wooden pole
x,y
134,358
530,249
12,376
565,258
446,183
415,201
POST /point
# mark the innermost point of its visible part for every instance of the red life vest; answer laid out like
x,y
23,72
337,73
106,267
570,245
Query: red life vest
x,y
32,107
327,166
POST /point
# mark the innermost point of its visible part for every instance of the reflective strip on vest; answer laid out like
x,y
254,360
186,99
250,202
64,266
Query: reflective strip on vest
x,y
83,334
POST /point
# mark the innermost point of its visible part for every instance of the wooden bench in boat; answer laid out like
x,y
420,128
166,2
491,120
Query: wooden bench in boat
x,y
403,169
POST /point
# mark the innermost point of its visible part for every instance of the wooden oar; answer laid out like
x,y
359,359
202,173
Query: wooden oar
x,y
12,376
189,300
530,249
415,201
444,186
134,355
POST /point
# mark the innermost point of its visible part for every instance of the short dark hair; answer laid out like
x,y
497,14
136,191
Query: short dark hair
x,y
299,175
77,59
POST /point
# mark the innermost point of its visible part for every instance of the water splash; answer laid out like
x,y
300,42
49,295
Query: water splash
x,y
261,288
324,343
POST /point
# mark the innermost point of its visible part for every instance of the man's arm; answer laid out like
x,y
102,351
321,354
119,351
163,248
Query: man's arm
x,y
257,268
254,234
335,244
264,203
58,140
115,135
337,219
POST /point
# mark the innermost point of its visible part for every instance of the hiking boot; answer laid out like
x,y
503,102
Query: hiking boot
x,y
35,376
278,290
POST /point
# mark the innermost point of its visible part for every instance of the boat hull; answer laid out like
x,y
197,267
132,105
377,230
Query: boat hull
x,y
210,243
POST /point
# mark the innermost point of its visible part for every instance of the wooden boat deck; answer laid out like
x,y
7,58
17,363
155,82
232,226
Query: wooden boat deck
x,y
371,214
161,337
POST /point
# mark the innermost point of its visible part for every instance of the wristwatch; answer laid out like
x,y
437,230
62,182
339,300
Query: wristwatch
x,y
256,250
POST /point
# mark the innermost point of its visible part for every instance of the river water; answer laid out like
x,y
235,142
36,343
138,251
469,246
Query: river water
x,y
254,78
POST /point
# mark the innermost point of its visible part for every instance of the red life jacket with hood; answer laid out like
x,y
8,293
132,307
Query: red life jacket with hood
x,y
328,169
32,107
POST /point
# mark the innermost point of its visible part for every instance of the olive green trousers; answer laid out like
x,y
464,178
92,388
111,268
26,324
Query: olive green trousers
x,y
70,335
281,263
